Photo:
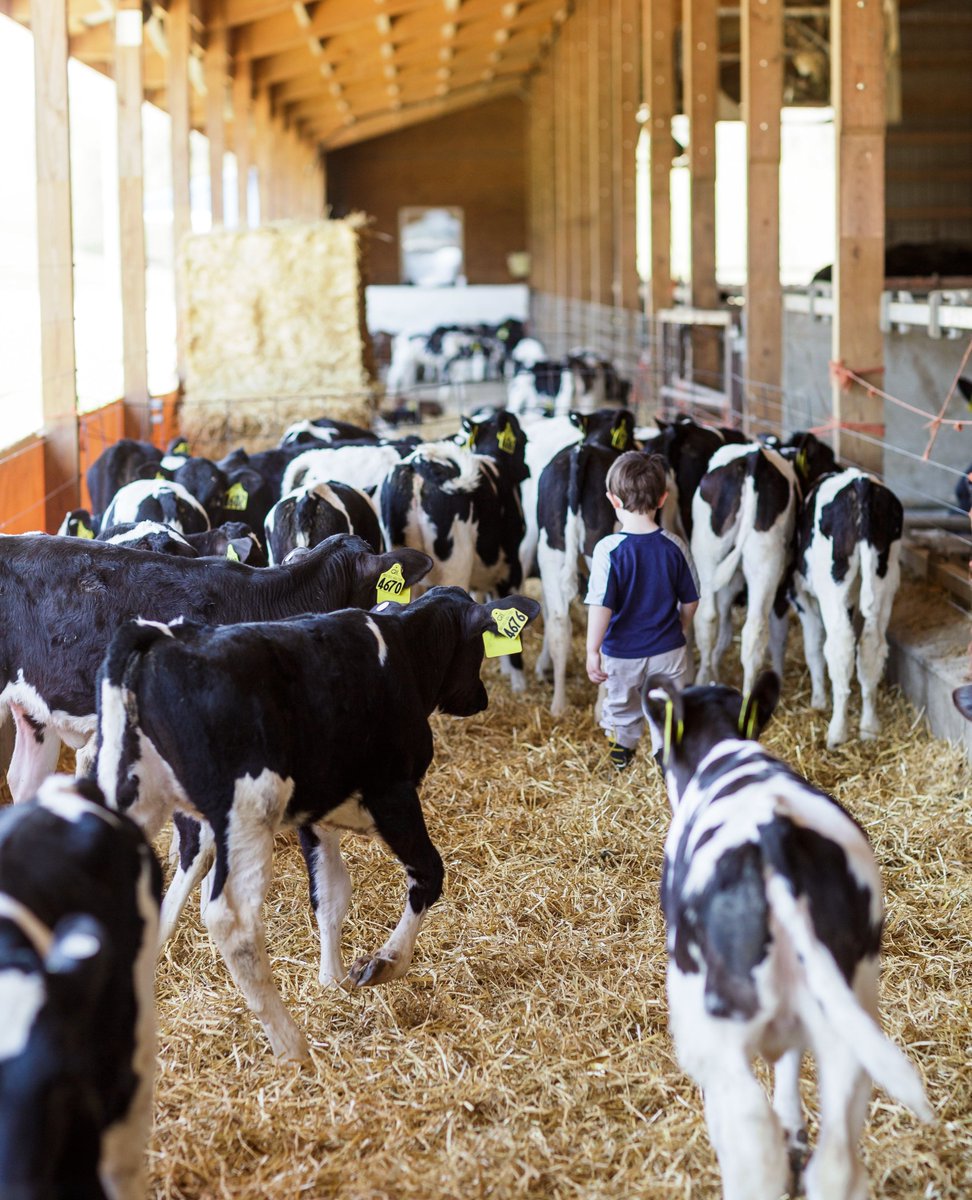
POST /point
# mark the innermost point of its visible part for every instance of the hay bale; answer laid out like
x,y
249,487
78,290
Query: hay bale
x,y
275,331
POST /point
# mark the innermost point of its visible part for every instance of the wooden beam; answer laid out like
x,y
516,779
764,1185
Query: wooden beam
x,y
413,114
561,173
600,100
700,72
242,137
263,153
178,86
628,53
762,96
858,81
128,81
217,67
658,26
48,20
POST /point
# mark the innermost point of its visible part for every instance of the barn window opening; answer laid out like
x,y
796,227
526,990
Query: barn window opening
x,y
431,241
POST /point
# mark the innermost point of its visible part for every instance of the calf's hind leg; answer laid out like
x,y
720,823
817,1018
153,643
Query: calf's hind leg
x,y
234,916
330,895
398,818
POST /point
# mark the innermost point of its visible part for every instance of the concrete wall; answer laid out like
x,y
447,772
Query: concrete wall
x,y
918,370
474,159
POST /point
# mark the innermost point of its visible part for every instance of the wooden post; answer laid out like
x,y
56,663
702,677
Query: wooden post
x,y
658,20
263,152
762,93
562,186
178,80
858,84
700,71
628,32
48,20
601,99
580,173
216,66
128,83
242,97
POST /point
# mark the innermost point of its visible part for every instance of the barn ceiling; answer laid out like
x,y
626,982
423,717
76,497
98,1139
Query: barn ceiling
x,y
343,70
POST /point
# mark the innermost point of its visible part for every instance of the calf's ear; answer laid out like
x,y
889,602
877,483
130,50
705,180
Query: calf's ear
x,y
415,564
505,617
153,470
661,702
580,420
759,705
962,698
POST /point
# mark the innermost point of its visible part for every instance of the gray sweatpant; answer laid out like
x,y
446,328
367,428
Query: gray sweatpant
x,y
621,715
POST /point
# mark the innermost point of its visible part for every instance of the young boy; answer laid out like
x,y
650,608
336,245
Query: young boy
x,y
642,595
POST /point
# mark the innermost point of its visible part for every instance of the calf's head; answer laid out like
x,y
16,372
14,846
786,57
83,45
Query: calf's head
x,y
50,1115
611,427
499,435
461,691
694,721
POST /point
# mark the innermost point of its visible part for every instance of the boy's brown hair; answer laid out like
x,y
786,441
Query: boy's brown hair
x,y
638,480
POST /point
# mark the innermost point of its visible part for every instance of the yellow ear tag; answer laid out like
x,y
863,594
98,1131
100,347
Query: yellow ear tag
x,y
801,462
181,449
231,554
391,585
470,439
510,622
506,440
619,436
236,498
747,723
84,531
159,475
671,725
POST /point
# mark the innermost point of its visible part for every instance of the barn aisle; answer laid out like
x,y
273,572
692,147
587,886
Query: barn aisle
x,y
527,1054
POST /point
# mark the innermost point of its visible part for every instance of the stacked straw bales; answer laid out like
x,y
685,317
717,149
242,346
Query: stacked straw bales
x,y
275,331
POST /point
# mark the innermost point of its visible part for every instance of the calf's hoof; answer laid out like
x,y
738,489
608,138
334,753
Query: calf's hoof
x,y
342,981
373,969
289,1045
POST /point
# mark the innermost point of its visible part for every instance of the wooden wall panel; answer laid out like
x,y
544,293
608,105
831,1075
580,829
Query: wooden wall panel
x,y
475,159
627,102
658,68
22,488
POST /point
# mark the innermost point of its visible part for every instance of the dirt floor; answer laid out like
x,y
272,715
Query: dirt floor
x,y
527,1053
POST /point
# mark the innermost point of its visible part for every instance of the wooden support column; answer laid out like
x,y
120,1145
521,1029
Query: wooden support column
x,y
48,22
179,112
602,210
627,34
858,84
762,94
700,71
242,99
128,84
562,187
217,68
658,18
580,171
263,152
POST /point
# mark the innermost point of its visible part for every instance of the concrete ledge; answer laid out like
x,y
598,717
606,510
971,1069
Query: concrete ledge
x,y
929,656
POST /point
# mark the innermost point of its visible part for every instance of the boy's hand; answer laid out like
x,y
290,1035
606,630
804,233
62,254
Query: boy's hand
x,y
594,672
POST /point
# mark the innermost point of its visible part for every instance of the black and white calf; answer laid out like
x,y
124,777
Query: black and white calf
x,y
79,910
306,516
64,597
773,909
317,722
743,517
463,508
363,466
160,500
323,431
846,575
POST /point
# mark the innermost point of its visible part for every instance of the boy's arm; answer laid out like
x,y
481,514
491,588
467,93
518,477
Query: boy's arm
x,y
685,613
598,619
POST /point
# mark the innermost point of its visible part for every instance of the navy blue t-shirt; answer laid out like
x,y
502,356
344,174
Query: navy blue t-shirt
x,y
642,578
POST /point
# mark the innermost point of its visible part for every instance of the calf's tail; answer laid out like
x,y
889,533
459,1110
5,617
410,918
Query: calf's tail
x,y
118,710
722,576
828,988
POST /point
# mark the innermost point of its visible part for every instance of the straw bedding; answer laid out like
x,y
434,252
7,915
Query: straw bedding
x,y
526,1053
